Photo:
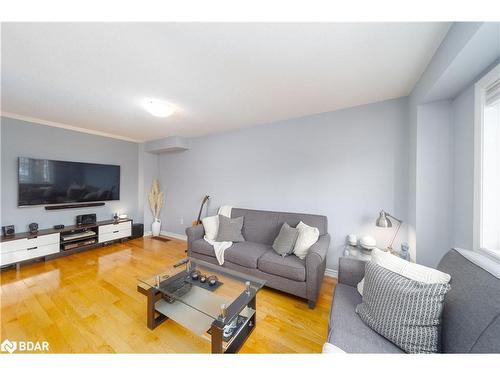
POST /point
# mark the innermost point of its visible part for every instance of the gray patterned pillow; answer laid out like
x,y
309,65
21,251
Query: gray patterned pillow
x,y
284,243
230,229
404,311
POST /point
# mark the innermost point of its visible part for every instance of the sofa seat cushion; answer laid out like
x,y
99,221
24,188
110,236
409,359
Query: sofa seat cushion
x,y
246,253
348,331
203,247
289,267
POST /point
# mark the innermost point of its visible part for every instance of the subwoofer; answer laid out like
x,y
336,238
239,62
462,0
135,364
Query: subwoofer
x,y
137,230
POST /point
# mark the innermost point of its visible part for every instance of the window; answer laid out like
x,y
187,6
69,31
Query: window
x,y
487,164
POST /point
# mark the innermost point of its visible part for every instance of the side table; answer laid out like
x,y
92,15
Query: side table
x,y
357,252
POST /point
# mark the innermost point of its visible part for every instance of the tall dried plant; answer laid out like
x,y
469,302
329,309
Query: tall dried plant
x,y
155,199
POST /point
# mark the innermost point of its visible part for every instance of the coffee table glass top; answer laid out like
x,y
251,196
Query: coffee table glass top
x,y
206,288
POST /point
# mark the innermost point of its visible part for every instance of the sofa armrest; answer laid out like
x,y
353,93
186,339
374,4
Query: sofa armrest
x,y
319,249
351,271
315,267
194,233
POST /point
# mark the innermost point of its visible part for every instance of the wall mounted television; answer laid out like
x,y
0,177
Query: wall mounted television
x,y
43,181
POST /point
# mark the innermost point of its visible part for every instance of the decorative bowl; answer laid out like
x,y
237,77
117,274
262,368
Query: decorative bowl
x,y
367,242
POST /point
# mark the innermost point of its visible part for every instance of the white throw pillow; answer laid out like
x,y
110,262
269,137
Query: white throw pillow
x,y
360,286
308,236
407,269
211,226
331,349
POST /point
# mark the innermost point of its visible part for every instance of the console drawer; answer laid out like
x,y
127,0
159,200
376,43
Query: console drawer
x,y
47,239
110,228
20,255
14,245
115,235
27,243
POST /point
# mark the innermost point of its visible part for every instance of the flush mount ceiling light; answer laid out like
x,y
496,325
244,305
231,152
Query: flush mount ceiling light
x,y
158,108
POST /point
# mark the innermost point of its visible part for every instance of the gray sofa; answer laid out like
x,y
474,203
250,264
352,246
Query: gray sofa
x,y
256,257
471,315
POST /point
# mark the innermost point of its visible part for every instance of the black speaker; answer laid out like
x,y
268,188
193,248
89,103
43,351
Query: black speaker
x,y
33,228
137,230
8,230
86,219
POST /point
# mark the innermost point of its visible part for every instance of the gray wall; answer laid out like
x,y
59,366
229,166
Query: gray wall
x,y
467,50
347,165
434,181
463,108
20,138
463,154
148,170
453,44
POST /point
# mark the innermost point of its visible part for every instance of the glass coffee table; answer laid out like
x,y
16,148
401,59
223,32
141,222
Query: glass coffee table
x,y
214,302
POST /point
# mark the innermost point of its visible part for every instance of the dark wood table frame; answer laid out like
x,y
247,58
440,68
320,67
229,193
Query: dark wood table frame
x,y
245,299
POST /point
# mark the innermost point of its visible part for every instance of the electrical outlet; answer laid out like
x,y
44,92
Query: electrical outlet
x,y
182,220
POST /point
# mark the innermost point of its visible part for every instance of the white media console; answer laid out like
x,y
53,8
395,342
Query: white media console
x,y
52,243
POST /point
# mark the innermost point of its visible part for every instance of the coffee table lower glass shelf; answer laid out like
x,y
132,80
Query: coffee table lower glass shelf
x,y
223,312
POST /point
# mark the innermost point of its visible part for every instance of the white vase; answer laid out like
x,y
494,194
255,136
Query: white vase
x,y
156,227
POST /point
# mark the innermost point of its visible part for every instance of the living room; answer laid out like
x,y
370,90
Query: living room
x,y
250,187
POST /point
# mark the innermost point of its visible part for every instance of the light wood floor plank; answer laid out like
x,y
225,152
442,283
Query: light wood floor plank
x,y
88,303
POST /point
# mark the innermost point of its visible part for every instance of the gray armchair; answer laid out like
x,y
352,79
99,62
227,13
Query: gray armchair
x,y
471,314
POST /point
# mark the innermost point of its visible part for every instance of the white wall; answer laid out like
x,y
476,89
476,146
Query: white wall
x,y
434,181
347,165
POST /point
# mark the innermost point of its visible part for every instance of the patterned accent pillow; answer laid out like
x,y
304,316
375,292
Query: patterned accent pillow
x,y
404,311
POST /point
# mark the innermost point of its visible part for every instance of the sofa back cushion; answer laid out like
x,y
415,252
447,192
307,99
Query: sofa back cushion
x,y
317,221
258,226
264,226
471,315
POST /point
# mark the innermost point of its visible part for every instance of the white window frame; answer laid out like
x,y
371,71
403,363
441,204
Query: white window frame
x,y
479,98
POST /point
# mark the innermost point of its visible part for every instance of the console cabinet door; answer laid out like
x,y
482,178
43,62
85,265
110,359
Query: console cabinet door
x,y
110,232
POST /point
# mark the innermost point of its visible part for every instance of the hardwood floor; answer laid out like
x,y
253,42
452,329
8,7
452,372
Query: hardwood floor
x,y
88,303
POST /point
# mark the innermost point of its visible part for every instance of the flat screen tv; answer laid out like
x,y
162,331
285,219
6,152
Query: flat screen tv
x,y
55,182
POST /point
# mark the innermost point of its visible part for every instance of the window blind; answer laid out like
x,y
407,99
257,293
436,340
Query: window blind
x,y
493,93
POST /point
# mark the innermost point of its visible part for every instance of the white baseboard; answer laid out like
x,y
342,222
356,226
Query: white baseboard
x,y
174,235
332,273
168,234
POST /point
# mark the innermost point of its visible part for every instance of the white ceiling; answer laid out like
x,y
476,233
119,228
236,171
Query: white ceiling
x,y
221,76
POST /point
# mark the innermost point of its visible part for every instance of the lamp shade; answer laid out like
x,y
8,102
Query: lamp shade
x,y
383,221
